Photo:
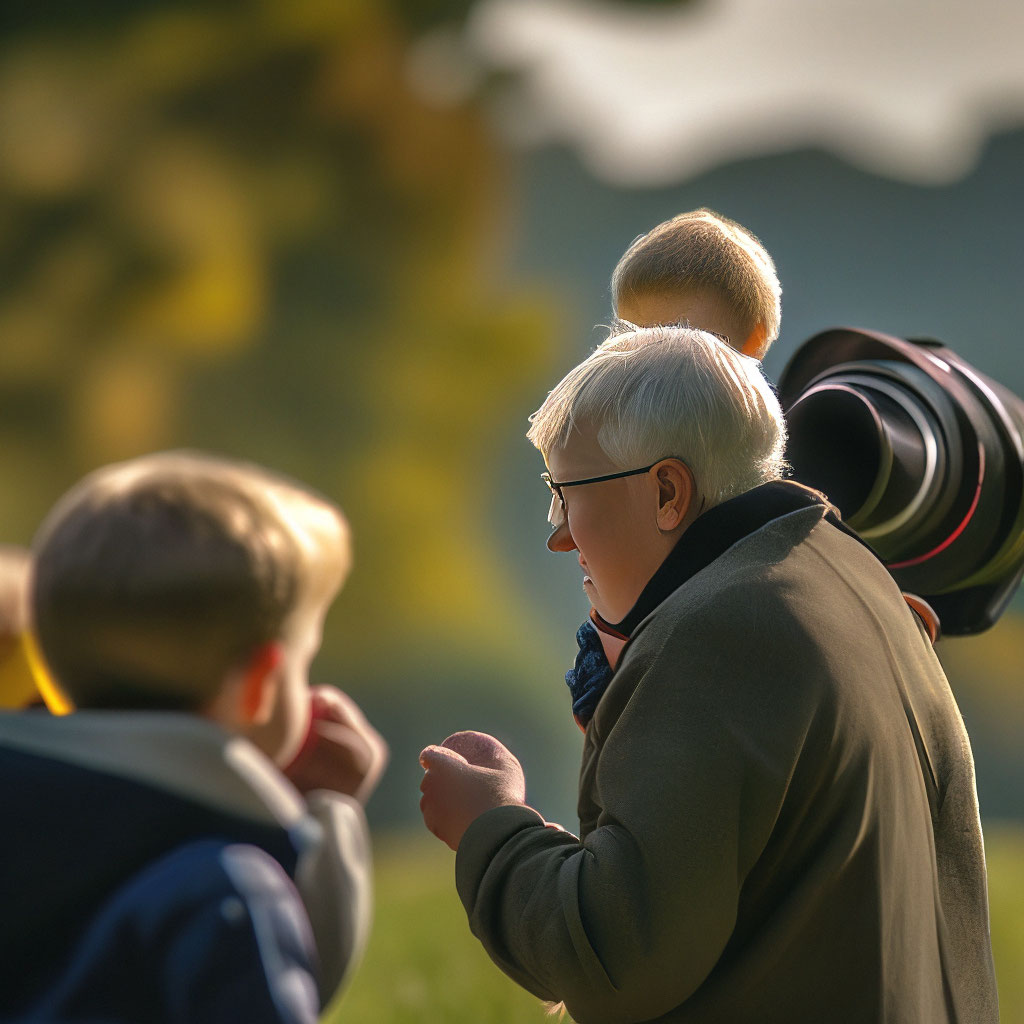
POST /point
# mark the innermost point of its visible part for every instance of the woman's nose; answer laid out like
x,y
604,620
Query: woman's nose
x,y
561,538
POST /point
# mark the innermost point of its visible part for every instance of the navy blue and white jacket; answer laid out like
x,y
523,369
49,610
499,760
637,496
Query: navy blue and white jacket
x,y
155,869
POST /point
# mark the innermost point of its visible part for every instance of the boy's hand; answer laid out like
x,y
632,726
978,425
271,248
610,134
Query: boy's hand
x,y
343,752
468,774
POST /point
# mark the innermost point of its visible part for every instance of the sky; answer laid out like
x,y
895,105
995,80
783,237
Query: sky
x,y
655,95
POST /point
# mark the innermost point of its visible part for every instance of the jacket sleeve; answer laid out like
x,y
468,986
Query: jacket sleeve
x,y
335,881
245,954
212,932
626,924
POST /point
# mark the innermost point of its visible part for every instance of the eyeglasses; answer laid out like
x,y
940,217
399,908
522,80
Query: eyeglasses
x,y
555,486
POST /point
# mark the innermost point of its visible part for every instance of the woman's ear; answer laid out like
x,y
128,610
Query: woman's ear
x,y
675,494
259,684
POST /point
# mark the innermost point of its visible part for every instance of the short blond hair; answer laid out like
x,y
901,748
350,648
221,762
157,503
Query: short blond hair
x,y
154,578
657,392
704,251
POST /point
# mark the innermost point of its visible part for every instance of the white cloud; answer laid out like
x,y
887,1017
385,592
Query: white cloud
x,y
905,88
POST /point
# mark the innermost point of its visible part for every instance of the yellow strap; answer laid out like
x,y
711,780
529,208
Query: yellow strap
x,y
52,696
17,686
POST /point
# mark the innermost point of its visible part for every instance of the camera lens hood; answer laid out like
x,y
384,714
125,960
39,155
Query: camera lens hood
x,y
924,457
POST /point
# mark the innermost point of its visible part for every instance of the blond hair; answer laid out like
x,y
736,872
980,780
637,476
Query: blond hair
x,y
703,251
657,392
154,578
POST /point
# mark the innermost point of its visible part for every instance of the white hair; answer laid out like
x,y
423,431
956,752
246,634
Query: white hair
x,y
658,392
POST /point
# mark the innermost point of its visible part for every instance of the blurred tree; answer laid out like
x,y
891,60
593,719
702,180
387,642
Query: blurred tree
x,y
239,226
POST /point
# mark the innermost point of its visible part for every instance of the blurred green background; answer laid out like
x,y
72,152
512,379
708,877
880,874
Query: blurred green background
x,y
293,232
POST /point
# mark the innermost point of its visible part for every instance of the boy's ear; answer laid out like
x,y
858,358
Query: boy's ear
x,y
259,684
755,343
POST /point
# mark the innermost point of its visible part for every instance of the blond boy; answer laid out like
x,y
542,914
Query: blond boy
x,y
160,865
706,270
699,269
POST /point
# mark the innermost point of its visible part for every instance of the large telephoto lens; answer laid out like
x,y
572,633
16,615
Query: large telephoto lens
x,y
924,457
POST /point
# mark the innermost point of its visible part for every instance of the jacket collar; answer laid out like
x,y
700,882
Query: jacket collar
x,y
182,754
717,530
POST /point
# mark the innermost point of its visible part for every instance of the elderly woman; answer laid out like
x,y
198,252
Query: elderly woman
x,y
778,817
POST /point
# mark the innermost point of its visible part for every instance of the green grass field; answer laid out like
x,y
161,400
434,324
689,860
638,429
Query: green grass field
x,y
1004,849
423,964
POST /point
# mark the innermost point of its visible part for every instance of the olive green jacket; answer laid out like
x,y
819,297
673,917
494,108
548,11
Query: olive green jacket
x,y
778,816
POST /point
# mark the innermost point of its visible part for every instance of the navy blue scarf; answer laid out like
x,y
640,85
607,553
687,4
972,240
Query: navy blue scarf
x,y
589,677
708,537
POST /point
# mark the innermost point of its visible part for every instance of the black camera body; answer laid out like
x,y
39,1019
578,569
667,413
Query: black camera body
x,y
924,457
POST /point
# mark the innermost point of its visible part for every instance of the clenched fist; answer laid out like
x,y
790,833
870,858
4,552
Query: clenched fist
x,y
469,773
342,752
